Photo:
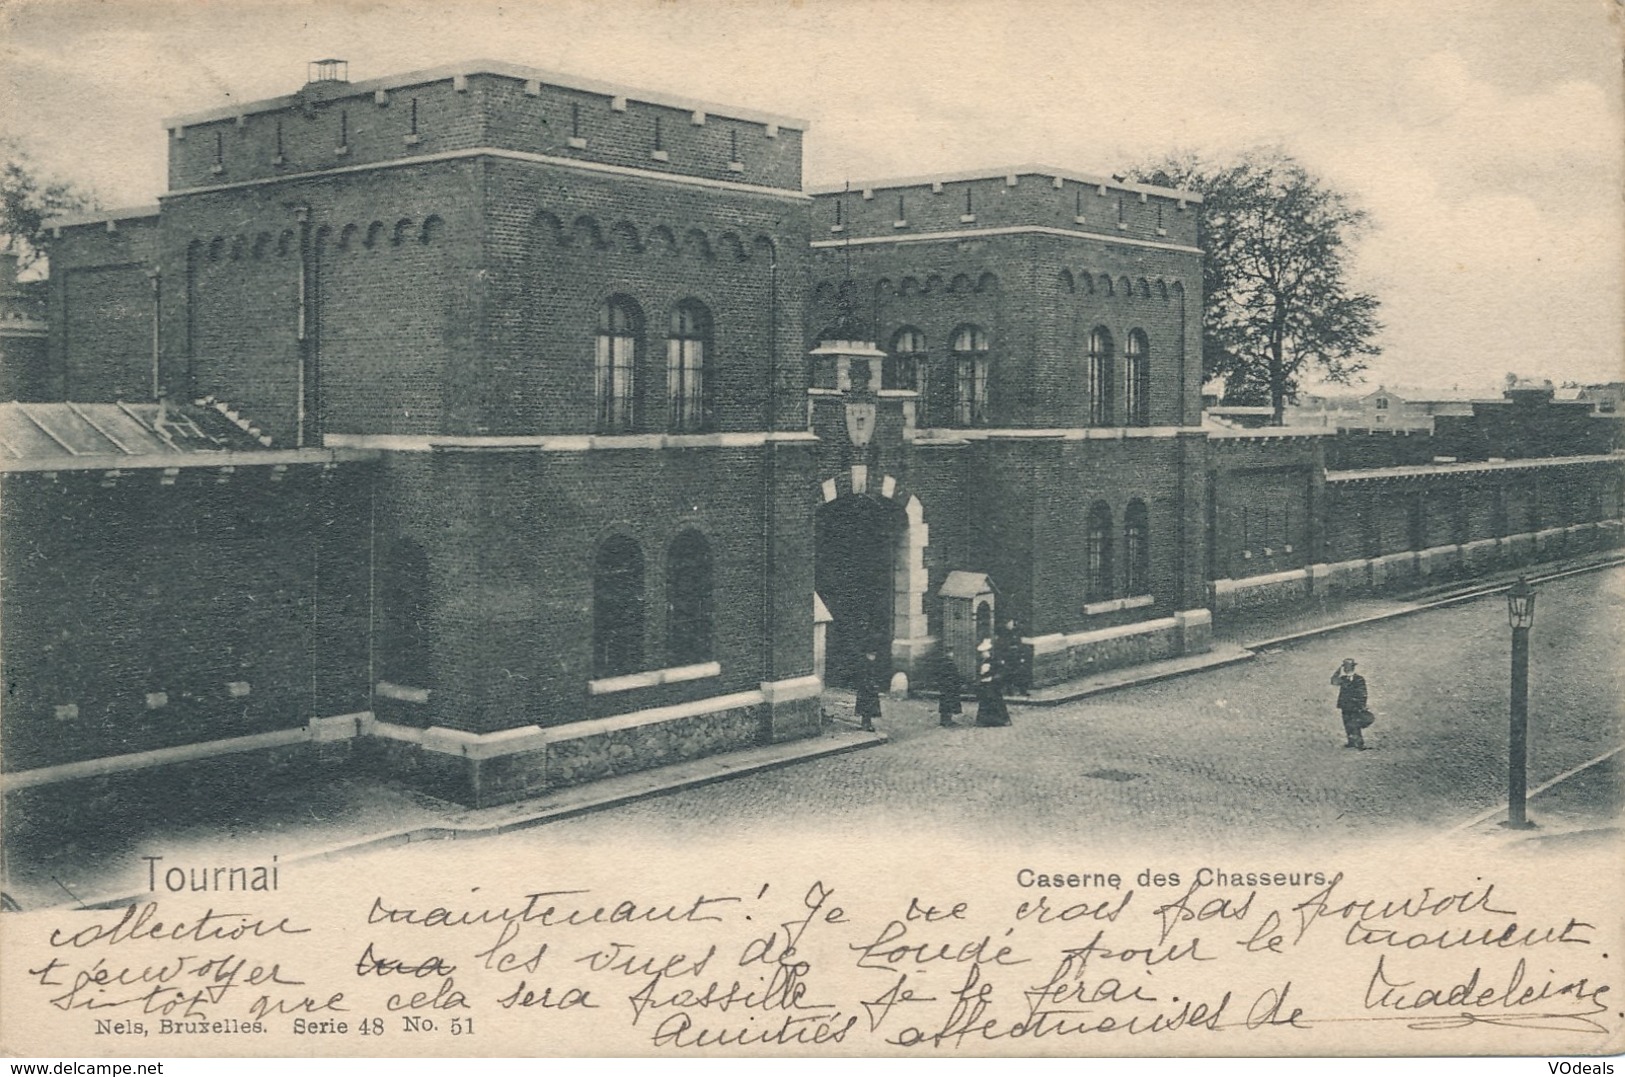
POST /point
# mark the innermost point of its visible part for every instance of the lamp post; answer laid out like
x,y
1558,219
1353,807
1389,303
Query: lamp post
x,y
1521,615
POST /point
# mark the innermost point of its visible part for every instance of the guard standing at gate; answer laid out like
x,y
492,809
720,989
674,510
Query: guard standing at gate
x,y
869,691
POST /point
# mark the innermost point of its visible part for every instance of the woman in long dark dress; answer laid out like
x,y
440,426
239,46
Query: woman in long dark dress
x,y
990,708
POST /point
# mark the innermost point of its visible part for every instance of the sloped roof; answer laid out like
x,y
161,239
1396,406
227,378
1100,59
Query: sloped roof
x,y
960,584
64,436
68,430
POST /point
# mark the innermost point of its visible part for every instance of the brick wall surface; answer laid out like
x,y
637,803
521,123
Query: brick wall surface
x,y
100,309
116,593
1039,299
510,541
996,203
390,304
562,243
334,127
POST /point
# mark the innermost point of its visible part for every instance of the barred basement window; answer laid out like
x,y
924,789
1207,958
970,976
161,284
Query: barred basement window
x,y
575,119
1098,553
1136,549
688,600
617,608
1137,380
1100,370
279,138
620,324
414,119
344,129
733,145
969,348
688,354
219,151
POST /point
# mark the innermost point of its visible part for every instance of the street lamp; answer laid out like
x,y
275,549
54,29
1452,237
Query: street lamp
x,y
1521,615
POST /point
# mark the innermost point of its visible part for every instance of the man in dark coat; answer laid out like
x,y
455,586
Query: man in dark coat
x,y
990,707
869,691
1352,699
946,678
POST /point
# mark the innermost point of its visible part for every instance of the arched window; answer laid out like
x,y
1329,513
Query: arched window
x,y
906,367
1137,381
969,348
1098,552
1136,549
1100,377
620,324
688,600
688,353
617,608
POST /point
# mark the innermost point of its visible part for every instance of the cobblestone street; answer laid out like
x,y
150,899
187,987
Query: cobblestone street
x,y
1250,749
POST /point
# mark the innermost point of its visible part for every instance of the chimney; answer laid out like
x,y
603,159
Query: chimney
x,y
327,71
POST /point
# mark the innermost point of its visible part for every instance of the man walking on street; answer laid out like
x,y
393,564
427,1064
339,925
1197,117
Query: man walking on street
x,y
1351,702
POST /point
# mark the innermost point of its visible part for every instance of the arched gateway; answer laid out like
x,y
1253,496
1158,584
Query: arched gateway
x,y
870,572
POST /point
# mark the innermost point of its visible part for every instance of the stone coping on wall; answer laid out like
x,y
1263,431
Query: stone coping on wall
x,y
1058,433
1004,230
1415,470
563,442
317,730
475,153
1116,605
650,678
1377,568
1060,641
102,216
224,458
530,738
1225,586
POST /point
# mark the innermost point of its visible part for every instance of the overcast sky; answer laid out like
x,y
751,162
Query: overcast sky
x,y
1483,137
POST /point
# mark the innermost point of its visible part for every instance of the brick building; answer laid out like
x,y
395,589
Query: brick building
x,y
24,369
509,430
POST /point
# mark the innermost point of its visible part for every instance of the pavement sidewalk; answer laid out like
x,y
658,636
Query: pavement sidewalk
x,y
325,817
1586,805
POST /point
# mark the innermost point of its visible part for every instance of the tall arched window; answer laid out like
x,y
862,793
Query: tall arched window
x,y
688,600
688,353
906,367
1100,377
969,349
1136,549
1137,381
1098,552
620,324
617,608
